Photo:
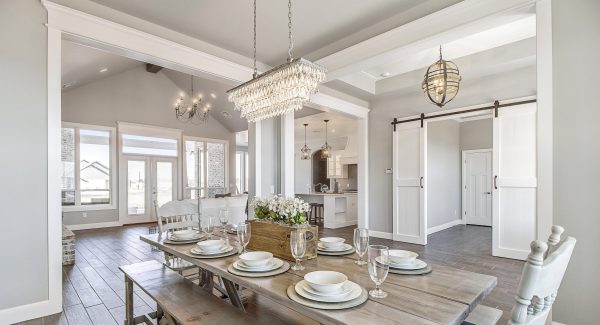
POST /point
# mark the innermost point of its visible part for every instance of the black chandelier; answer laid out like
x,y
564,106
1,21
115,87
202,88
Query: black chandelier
x,y
194,109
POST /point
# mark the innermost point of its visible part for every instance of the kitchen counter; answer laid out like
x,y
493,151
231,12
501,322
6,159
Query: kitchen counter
x,y
339,209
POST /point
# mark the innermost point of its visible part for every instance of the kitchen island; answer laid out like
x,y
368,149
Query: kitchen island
x,y
340,209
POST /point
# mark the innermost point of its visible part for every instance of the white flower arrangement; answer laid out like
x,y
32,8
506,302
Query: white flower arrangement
x,y
280,209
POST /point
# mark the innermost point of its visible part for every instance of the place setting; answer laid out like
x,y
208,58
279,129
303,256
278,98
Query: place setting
x,y
327,290
334,246
184,236
212,248
405,262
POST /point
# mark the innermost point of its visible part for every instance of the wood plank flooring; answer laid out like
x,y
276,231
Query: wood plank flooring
x,y
94,290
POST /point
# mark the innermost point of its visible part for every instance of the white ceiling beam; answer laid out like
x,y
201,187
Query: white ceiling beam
x,y
418,35
361,80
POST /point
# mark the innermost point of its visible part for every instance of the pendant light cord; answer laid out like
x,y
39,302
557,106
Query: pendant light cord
x,y
255,69
291,44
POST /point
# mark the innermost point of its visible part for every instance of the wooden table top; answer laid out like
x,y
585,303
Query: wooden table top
x,y
445,296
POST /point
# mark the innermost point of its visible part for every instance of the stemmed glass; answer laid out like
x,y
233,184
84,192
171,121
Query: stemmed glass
x,y
378,256
243,234
298,246
361,242
224,219
206,224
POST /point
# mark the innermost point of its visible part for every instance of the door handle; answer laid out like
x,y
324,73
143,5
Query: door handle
x,y
487,192
496,182
421,182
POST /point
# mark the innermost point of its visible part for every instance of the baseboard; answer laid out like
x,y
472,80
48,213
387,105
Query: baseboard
x,y
557,323
342,224
380,234
31,311
444,226
94,225
512,253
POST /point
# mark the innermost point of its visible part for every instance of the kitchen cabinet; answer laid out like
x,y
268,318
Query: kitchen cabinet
x,y
335,167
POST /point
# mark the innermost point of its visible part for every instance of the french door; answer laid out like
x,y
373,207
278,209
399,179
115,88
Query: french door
x,y
147,179
409,172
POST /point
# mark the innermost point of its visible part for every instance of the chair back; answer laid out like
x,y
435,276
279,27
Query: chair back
x,y
542,274
237,208
175,215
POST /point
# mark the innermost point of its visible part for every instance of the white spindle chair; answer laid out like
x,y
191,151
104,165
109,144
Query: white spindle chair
x,y
176,215
542,274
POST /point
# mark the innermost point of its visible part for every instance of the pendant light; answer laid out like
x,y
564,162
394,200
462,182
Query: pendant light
x,y
326,148
305,150
441,82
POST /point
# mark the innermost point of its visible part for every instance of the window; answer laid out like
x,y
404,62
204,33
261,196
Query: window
x,y
241,171
87,166
151,146
206,167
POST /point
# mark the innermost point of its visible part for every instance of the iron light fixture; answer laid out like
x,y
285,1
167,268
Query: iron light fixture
x,y
441,81
305,150
192,110
326,148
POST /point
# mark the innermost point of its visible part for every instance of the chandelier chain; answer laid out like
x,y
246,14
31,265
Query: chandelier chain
x,y
255,69
291,44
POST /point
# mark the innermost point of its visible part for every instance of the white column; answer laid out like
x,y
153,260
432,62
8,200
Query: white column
x,y
287,155
255,157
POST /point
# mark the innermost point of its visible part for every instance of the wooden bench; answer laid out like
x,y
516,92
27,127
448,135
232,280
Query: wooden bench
x,y
178,299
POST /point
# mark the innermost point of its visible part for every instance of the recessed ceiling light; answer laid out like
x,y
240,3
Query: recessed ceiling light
x,y
213,95
385,74
103,70
332,130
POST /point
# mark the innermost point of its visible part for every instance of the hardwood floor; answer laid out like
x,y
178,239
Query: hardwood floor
x,y
94,291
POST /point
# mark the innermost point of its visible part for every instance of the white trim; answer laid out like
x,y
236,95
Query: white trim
x,y
287,148
95,225
444,226
31,311
380,234
184,161
515,254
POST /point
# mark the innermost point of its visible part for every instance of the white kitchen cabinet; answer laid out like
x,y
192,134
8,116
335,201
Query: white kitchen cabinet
x,y
351,207
335,168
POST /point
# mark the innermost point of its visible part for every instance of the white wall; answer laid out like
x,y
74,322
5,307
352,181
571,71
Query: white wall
x,y
24,148
134,96
477,134
443,173
513,84
577,153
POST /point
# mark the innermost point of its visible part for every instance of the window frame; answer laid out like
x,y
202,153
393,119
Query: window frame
x,y
112,168
244,162
187,193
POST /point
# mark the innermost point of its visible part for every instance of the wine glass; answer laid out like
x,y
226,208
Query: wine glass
x,y
378,257
298,246
224,219
361,242
243,234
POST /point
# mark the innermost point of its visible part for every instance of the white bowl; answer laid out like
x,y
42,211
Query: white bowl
x,y
398,256
325,281
331,242
253,259
186,233
212,245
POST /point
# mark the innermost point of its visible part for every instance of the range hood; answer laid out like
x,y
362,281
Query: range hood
x,y
350,154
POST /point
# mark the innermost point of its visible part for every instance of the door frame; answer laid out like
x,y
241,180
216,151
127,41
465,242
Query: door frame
x,y
463,216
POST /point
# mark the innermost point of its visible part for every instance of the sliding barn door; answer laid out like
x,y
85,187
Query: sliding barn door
x,y
515,181
409,196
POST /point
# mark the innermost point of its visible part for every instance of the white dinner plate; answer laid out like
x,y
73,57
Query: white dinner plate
x,y
225,249
342,248
176,238
275,264
416,265
344,290
354,293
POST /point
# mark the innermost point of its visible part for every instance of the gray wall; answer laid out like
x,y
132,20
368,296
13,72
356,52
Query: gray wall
x,y
577,153
24,148
443,172
513,84
139,97
476,134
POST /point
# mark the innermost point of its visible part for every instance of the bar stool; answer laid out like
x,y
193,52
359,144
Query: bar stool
x,y
316,214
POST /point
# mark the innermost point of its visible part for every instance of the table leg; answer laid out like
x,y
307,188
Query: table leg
x,y
128,301
233,294
206,280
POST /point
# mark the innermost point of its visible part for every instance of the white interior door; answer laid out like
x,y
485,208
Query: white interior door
x,y
409,172
515,181
477,187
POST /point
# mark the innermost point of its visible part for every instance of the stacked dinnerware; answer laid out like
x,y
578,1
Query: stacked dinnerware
x,y
184,235
257,262
211,247
405,260
328,287
334,245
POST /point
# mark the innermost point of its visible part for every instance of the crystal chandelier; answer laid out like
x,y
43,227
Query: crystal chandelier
x,y
281,90
193,110
305,150
441,81
326,148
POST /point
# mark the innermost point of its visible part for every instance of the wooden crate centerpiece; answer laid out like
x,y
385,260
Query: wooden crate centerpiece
x,y
275,218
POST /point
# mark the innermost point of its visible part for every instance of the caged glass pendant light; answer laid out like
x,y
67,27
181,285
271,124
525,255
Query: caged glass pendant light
x,y
281,90
305,150
441,81
326,148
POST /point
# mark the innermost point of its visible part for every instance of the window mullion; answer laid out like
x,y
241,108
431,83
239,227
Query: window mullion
x,y
77,168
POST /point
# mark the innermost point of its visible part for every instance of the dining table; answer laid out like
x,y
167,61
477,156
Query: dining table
x,y
445,296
